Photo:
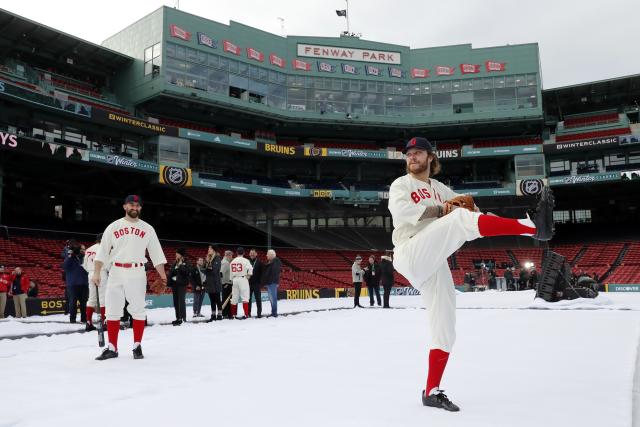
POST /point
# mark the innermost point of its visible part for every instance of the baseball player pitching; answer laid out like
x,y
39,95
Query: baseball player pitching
x,y
122,248
240,271
87,264
430,223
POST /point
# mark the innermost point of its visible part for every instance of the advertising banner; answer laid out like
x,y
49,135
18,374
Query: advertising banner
x,y
587,144
490,192
469,151
217,139
133,123
123,161
588,178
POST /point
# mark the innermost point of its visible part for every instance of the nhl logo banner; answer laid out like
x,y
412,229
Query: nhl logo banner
x,y
370,70
419,73
494,66
277,61
179,32
349,69
255,54
179,177
301,65
469,68
443,70
227,46
395,72
325,67
207,41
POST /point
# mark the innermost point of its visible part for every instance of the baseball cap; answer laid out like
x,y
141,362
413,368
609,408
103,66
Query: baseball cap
x,y
133,198
418,142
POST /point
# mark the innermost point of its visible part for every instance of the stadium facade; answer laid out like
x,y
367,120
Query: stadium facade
x,y
227,126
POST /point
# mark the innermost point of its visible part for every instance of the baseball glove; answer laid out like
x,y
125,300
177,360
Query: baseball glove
x,y
464,201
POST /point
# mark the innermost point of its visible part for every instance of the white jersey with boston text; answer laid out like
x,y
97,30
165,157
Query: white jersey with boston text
x,y
240,267
125,241
89,257
408,198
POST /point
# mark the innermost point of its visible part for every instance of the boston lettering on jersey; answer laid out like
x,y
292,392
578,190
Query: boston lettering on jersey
x,y
423,193
129,230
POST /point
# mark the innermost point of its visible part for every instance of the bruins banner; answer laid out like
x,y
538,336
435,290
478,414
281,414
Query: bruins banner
x,y
179,177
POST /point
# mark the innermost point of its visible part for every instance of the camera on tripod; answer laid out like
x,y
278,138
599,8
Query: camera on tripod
x,y
555,281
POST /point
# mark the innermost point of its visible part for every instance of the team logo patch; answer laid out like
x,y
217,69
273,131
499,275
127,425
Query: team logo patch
x,y
531,187
179,177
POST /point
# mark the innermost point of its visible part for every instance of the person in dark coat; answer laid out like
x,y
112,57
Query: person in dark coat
x,y
197,282
386,277
508,278
254,282
524,278
372,279
213,283
270,278
178,282
77,282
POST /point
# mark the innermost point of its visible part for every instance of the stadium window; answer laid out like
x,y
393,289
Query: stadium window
x,y
560,167
634,157
532,80
582,216
152,59
561,217
529,165
181,52
171,50
233,66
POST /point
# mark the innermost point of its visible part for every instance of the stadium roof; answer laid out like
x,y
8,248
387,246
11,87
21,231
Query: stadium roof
x,y
592,96
23,36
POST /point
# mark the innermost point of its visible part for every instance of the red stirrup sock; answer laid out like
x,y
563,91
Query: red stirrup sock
x,y
234,309
89,312
113,328
102,313
437,362
138,330
490,225
245,307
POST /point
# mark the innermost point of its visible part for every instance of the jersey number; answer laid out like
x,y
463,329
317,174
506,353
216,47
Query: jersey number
x,y
236,268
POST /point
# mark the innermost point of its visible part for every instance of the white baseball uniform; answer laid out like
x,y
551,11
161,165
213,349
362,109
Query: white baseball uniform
x,y
123,249
240,269
88,265
423,246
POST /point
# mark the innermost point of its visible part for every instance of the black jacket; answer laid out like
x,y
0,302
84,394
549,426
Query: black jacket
x,y
386,271
179,275
212,271
271,272
372,274
254,280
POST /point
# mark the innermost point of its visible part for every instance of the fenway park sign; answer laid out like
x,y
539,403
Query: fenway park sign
x,y
347,53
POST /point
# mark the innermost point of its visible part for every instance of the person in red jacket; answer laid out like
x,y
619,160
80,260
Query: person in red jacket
x,y
4,287
19,288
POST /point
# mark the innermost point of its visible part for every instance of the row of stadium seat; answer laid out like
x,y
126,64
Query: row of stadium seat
x,y
41,260
596,119
593,134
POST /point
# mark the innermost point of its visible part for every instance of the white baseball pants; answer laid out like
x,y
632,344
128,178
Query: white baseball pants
x,y
102,289
423,261
240,290
129,284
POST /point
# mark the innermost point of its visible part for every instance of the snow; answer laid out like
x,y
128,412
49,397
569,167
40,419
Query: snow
x,y
513,364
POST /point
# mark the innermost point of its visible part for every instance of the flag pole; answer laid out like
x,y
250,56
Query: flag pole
x,y
347,15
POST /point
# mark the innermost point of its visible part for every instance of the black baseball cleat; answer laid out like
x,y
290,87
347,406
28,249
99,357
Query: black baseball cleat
x,y
177,322
544,215
107,353
137,352
89,327
439,400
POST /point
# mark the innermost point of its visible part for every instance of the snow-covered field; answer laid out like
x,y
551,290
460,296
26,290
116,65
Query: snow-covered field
x,y
517,362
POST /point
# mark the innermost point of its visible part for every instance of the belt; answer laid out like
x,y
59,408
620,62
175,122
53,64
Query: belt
x,y
240,277
128,264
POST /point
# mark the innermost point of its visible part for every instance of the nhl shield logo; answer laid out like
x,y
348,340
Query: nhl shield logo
x,y
175,176
531,187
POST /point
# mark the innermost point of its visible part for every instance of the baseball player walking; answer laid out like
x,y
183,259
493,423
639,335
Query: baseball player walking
x,y
431,222
87,264
123,247
240,271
